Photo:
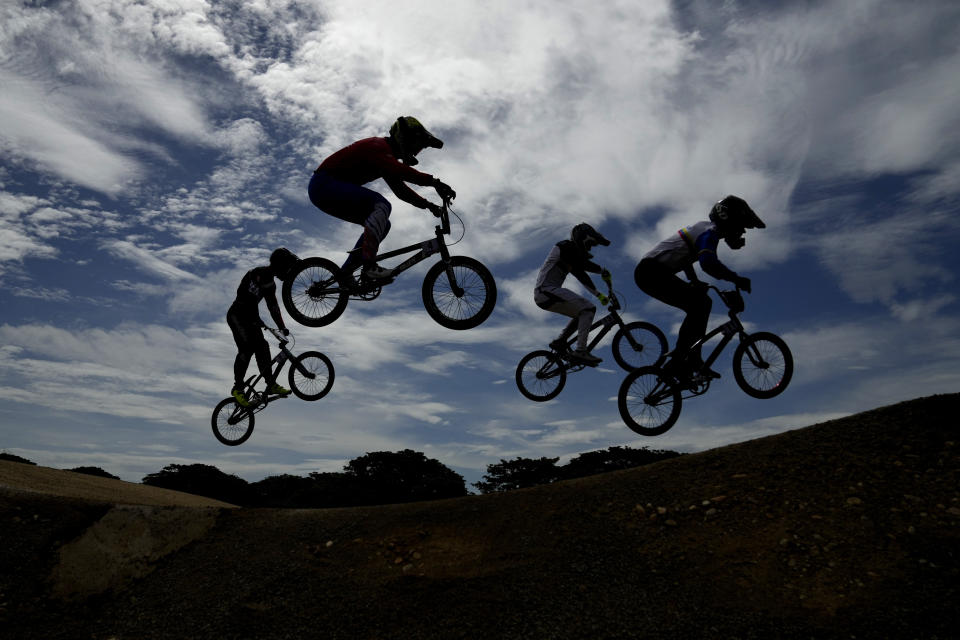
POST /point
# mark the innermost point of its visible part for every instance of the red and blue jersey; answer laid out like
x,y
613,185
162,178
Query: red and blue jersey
x,y
371,158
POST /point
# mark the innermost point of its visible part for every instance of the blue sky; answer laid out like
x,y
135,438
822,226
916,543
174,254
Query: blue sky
x,y
153,151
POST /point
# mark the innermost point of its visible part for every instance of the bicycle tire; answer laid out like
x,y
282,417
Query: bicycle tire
x,y
769,376
305,302
646,415
541,375
317,364
651,346
227,412
459,312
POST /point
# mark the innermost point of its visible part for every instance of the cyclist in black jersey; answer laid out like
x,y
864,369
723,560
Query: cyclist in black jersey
x,y
246,325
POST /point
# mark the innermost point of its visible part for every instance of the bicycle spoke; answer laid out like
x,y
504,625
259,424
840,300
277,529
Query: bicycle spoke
x,y
766,368
649,401
317,379
460,307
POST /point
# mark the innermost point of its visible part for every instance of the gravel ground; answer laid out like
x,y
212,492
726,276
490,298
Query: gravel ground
x,y
846,529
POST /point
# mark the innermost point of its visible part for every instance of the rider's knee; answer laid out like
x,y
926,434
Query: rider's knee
x,y
378,222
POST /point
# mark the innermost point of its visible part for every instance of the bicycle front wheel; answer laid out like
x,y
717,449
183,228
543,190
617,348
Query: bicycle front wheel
x,y
311,375
541,375
463,303
313,294
639,344
232,424
763,365
649,401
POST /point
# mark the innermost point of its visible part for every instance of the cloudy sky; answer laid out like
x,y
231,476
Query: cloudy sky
x,y
151,151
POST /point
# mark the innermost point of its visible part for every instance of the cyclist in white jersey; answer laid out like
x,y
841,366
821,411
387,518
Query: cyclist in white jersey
x,y
566,257
656,274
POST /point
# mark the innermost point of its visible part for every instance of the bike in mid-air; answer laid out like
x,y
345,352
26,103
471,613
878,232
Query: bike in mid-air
x,y
650,398
310,377
541,374
458,292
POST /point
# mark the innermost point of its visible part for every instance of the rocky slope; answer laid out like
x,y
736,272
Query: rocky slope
x,y
843,529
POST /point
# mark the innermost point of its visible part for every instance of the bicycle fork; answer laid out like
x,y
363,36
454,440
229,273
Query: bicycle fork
x,y
448,269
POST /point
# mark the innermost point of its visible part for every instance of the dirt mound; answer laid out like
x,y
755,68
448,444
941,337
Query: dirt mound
x,y
843,529
15,476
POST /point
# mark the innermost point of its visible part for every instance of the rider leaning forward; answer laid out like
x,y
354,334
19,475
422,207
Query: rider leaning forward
x,y
337,186
566,257
656,274
246,325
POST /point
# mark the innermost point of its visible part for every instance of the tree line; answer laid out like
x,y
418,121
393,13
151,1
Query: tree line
x,y
382,477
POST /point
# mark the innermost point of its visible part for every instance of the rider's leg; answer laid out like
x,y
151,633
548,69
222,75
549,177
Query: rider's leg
x,y
242,330
262,353
240,365
578,309
356,204
375,229
659,282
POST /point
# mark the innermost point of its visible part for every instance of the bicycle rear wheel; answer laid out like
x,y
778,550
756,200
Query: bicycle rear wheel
x,y
541,375
232,424
316,365
649,401
763,365
468,302
639,344
313,293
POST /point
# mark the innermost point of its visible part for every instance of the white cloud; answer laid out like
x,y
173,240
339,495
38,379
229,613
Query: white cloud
x,y
204,121
148,261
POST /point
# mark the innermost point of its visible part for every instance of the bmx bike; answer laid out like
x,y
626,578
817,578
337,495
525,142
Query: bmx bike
x,y
542,374
310,377
650,398
458,292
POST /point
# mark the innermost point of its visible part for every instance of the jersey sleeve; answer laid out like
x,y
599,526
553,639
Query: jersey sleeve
x,y
576,264
405,193
706,250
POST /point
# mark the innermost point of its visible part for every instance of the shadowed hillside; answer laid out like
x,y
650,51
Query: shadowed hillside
x,y
843,529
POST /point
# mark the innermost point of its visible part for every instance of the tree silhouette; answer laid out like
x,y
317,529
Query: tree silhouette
x,y
518,474
94,471
284,491
201,480
528,472
386,477
9,457
612,459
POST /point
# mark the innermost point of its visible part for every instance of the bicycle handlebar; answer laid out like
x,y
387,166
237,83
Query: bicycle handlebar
x,y
283,339
445,215
730,297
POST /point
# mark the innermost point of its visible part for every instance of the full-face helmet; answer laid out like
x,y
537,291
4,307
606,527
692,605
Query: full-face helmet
x,y
281,261
586,237
410,137
733,216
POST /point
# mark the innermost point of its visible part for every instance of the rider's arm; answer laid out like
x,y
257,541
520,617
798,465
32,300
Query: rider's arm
x,y
706,247
578,267
270,297
405,193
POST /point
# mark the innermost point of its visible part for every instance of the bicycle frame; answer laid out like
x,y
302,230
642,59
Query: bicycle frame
x,y
259,401
607,322
426,249
729,329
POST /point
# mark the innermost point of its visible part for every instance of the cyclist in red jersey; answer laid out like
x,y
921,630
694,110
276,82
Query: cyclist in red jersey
x,y
337,186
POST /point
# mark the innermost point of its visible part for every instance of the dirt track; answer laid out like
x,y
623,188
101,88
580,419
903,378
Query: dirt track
x,y
844,529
